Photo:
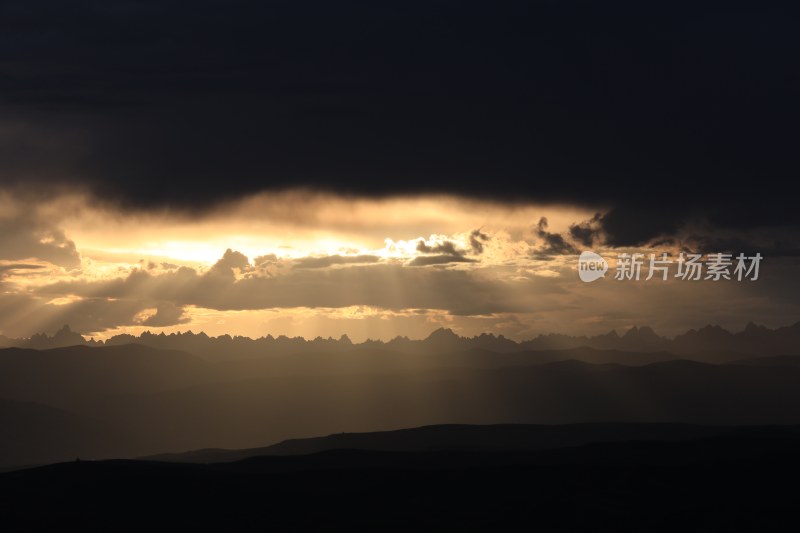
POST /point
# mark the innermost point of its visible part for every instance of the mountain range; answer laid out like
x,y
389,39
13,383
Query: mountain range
x,y
753,339
172,401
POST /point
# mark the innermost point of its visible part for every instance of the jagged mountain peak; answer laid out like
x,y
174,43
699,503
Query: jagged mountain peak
x,y
442,334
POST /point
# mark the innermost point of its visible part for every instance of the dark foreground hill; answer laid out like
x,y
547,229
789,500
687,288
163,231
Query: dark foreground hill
x,y
739,481
464,438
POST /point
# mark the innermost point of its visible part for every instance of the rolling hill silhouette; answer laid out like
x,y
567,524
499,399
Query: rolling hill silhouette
x,y
464,438
77,375
724,482
37,434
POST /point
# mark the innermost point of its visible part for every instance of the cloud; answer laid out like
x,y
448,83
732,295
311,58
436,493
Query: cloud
x,y
636,225
439,251
477,239
442,247
511,299
23,314
769,245
381,285
12,267
167,314
24,237
329,260
229,262
427,260
268,259
554,244
587,232
719,105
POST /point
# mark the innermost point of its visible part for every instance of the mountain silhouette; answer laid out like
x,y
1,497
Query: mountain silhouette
x,y
168,400
63,337
624,422
171,393
37,434
75,376
709,343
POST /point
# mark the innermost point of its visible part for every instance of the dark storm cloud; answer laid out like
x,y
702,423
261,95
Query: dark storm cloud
x,y
588,231
766,246
637,224
661,111
554,244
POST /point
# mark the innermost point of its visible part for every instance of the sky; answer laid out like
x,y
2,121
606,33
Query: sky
x,y
308,168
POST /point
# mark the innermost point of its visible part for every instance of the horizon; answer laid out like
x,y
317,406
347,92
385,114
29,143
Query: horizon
x,y
750,326
269,336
